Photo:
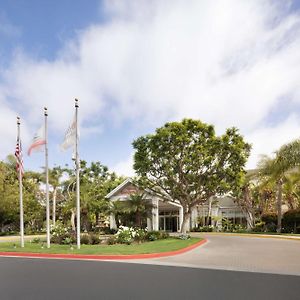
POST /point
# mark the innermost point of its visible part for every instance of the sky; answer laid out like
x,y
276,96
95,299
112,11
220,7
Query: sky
x,y
135,65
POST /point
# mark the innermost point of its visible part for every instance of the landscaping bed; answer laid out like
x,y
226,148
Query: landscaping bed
x,y
158,246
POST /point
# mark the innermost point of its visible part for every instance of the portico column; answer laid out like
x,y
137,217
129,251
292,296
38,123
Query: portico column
x,y
112,222
149,224
155,215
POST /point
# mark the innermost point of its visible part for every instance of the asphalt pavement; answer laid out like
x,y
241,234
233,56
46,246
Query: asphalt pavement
x,y
44,279
239,253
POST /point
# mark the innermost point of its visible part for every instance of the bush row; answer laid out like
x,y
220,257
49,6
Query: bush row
x,y
125,235
128,235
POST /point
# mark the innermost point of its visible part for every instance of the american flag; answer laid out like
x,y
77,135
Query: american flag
x,y
18,154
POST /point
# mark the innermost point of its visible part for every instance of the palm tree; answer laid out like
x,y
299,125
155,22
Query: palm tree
x,y
140,206
277,169
117,209
274,171
54,180
291,190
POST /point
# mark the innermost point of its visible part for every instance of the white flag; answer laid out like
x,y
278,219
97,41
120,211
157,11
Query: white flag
x,y
70,136
38,141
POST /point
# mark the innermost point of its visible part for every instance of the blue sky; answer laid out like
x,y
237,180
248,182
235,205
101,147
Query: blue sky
x,y
135,65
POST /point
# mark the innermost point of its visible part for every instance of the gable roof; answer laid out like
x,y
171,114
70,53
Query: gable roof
x,y
119,187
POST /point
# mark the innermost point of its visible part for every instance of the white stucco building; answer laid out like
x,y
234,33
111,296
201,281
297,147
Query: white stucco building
x,y
168,216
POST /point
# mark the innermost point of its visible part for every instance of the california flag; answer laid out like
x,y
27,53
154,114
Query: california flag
x,y
38,141
70,136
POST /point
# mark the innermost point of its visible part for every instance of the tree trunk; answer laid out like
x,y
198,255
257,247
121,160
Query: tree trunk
x,y
54,206
247,207
138,219
279,204
186,217
250,220
208,221
73,219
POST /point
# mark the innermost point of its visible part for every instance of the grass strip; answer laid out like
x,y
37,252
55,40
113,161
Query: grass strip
x,y
166,245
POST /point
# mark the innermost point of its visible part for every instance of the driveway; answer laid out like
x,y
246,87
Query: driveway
x,y
239,253
30,279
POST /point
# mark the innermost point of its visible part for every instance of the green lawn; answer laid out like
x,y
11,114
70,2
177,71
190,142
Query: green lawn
x,y
170,244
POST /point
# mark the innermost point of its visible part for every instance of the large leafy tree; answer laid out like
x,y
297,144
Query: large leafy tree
x,y
9,207
9,198
186,162
95,183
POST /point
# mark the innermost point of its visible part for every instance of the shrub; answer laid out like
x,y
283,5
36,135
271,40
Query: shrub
x,y
94,239
140,235
68,240
111,240
271,227
153,235
184,237
269,218
61,234
164,235
259,227
227,225
208,228
239,228
291,221
125,235
84,239
107,230
36,240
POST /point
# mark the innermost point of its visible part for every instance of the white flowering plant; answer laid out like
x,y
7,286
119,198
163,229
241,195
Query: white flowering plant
x,y
126,235
60,234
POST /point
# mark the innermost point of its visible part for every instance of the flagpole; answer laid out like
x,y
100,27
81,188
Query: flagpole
x,y
20,188
47,179
77,175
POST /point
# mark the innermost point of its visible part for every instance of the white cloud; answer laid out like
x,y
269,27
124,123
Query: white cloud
x,y
225,62
269,139
125,167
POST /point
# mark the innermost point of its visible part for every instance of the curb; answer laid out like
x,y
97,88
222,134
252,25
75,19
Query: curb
x,y
253,235
101,257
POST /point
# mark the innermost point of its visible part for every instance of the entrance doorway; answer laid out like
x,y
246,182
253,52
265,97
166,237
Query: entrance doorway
x,y
169,223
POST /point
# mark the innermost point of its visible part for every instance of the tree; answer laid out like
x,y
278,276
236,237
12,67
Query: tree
x,y
95,183
9,204
274,171
140,207
186,162
55,175
245,200
291,190
9,198
277,169
118,209
255,196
